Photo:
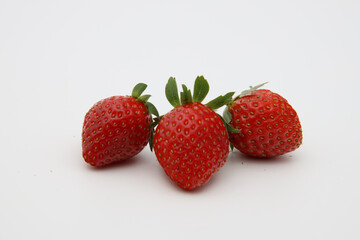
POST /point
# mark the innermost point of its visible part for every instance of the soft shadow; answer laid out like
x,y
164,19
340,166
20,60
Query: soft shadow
x,y
209,185
239,156
235,157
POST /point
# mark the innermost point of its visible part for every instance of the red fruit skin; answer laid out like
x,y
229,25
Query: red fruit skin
x,y
115,129
268,125
191,144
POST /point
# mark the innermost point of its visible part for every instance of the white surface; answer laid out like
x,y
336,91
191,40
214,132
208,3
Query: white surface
x,y
59,58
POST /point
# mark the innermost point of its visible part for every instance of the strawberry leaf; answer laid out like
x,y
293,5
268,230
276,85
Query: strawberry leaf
x,y
201,89
229,128
227,115
171,92
220,101
185,95
152,127
144,98
245,92
138,90
155,122
231,147
152,109
151,139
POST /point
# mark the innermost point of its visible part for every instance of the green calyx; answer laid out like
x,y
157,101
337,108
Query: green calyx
x,y
226,113
138,90
185,95
250,90
201,89
220,101
136,93
171,92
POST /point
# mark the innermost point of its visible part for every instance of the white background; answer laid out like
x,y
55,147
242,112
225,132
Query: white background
x,y
57,58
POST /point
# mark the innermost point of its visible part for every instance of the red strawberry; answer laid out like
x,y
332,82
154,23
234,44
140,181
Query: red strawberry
x,y
191,142
117,128
268,125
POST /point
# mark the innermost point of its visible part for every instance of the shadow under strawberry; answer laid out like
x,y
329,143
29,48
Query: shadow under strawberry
x,y
126,163
244,158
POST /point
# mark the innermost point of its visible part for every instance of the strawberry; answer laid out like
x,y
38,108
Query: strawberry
x,y
191,141
117,128
268,124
